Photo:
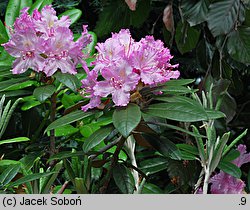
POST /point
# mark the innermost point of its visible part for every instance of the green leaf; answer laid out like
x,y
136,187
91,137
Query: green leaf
x,y
39,4
170,89
68,80
80,186
74,15
14,140
217,155
12,12
150,188
29,178
3,33
65,154
25,3
48,183
188,148
124,179
7,84
230,169
126,119
163,145
153,165
23,85
200,144
65,130
238,44
9,174
179,82
184,110
69,118
91,47
44,92
29,105
96,138
230,156
223,16
186,37
194,11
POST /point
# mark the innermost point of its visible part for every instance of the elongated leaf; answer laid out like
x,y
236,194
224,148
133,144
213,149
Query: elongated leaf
x,y
69,118
69,80
39,4
222,16
188,148
96,138
153,165
195,11
9,174
3,33
184,111
29,178
66,154
150,188
14,140
218,151
7,84
91,46
230,168
74,14
163,145
126,119
124,179
238,44
170,89
179,82
51,179
12,12
80,186
69,170
44,92
200,145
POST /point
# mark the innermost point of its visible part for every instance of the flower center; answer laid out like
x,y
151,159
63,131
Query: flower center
x,y
117,84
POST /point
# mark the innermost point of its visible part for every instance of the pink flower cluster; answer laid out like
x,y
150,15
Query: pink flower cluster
x,y
123,63
223,183
44,43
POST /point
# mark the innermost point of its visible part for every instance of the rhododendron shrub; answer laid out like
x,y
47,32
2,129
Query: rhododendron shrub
x,y
126,66
44,43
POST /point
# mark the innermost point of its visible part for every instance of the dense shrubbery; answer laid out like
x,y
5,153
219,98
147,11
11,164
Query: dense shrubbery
x,y
148,96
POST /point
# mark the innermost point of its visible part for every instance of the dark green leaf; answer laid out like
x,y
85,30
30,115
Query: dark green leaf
x,y
66,154
9,174
230,169
96,138
188,148
223,16
150,188
170,89
163,145
179,82
69,118
186,37
29,178
48,183
232,155
238,44
14,140
68,80
126,119
3,33
194,11
186,110
44,92
74,14
7,84
25,3
124,179
153,165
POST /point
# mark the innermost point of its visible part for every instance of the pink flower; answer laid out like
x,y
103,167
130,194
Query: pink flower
x,y
45,43
223,183
88,84
131,4
122,63
27,49
119,81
